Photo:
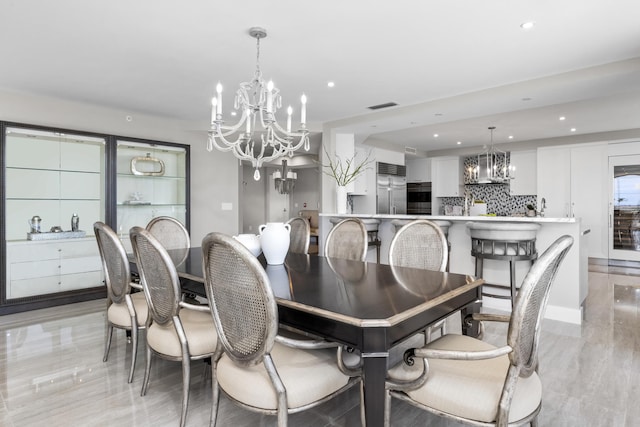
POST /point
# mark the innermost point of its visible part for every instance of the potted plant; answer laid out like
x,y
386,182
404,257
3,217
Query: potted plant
x,y
344,172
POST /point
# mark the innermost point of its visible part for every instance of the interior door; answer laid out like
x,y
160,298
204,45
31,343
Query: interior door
x,y
624,208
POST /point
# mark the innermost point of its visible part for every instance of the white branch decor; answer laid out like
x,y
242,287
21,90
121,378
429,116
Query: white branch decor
x,y
345,171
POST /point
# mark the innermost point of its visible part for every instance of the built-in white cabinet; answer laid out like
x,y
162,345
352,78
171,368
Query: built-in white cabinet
x,y
53,174
446,173
572,181
151,181
418,170
47,267
525,181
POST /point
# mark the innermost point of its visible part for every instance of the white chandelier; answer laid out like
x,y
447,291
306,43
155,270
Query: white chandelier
x,y
285,179
493,166
259,102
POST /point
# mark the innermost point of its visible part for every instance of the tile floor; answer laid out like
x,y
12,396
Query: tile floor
x,y
52,374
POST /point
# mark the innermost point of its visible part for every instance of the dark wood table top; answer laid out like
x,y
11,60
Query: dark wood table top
x,y
354,292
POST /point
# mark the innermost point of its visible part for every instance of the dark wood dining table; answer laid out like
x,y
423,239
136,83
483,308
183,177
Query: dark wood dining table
x,y
366,306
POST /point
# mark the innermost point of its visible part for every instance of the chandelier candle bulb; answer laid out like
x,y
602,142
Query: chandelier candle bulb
x,y
303,111
289,113
219,99
214,101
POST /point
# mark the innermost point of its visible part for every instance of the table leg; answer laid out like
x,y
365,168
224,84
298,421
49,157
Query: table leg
x,y
471,327
373,377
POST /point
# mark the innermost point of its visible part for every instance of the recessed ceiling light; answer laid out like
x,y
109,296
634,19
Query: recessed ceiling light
x,y
459,142
435,135
510,136
330,84
573,129
527,25
562,118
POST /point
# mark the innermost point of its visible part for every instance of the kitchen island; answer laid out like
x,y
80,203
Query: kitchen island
x,y
571,285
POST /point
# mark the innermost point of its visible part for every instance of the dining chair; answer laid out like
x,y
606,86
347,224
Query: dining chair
x,y
420,244
170,232
347,239
471,381
254,366
299,236
125,310
177,330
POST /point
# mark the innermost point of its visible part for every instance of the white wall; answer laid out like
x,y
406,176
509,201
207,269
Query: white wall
x,y
214,176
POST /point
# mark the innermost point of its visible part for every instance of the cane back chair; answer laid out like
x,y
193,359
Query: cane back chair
x,y
177,330
347,239
471,381
299,236
170,232
253,365
125,310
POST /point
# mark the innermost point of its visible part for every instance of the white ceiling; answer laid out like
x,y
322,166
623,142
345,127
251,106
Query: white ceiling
x,y
453,67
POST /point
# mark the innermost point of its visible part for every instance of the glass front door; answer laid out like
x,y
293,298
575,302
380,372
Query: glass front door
x,y
624,208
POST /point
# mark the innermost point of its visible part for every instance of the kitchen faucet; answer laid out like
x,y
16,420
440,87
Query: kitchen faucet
x,y
543,206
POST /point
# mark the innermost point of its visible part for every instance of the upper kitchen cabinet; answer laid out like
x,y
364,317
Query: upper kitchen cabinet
x,y
446,173
525,181
152,180
418,170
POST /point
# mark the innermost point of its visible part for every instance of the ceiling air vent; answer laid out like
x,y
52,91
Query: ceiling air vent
x,y
385,105
410,150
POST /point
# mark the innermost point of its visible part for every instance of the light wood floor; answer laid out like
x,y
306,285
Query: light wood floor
x,y
52,372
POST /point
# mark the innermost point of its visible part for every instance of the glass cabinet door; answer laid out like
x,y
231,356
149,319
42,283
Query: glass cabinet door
x,y
151,182
50,177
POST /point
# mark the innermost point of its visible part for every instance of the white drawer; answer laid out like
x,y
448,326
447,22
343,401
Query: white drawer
x,y
80,265
31,287
34,269
71,282
32,251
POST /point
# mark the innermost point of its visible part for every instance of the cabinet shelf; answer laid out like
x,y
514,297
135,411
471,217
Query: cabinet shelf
x,y
142,177
53,170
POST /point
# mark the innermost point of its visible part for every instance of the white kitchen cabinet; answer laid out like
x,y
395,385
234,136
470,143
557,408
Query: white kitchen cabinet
x,y
572,182
525,181
446,173
418,170
47,267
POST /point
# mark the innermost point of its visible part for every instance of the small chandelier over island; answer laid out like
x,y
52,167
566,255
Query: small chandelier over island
x,y
492,166
259,138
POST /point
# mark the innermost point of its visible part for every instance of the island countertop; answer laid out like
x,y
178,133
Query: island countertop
x,y
571,284
533,219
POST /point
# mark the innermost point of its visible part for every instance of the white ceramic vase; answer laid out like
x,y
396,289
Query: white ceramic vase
x,y
251,242
341,199
274,239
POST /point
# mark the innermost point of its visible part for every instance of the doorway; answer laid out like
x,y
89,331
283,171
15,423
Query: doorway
x,y
624,208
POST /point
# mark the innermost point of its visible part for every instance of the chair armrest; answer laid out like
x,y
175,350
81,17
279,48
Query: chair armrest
x,y
430,353
194,306
311,344
135,285
354,371
490,317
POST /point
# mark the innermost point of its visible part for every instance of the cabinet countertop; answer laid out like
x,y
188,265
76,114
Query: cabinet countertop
x,y
536,219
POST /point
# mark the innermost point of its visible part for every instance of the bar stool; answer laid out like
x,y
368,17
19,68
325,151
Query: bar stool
x,y
371,225
444,226
505,241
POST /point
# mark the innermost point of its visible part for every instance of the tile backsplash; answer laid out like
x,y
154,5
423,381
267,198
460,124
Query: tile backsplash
x,y
497,198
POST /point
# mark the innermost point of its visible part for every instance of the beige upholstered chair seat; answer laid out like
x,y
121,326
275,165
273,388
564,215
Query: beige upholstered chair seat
x,y
198,327
481,381
118,314
302,367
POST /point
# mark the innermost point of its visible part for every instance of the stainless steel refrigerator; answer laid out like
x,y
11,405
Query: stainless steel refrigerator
x,y
392,189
